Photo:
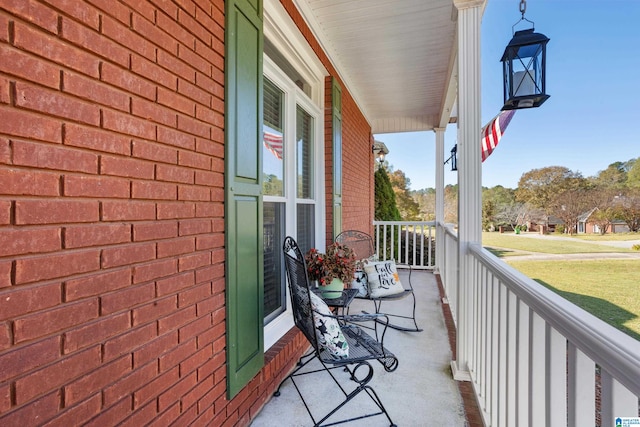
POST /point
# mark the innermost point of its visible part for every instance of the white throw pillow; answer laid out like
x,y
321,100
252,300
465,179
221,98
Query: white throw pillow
x,y
328,331
360,283
383,279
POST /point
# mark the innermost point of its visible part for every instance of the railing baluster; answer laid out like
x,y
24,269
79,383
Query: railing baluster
x,y
503,343
512,357
494,310
616,400
581,388
484,340
557,379
422,246
537,351
523,363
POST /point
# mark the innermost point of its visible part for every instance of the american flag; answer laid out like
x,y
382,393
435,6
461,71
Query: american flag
x,y
273,143
493,131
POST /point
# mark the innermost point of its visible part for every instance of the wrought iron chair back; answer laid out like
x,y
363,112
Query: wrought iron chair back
x,y
362,244
298,280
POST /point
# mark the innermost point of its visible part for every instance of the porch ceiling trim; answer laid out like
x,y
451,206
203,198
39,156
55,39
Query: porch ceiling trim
x,y
397,59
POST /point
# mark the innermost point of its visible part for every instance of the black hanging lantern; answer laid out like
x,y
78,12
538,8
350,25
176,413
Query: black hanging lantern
x,y
453,158
524,68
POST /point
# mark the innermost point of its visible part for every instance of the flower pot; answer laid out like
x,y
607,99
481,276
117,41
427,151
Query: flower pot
x,y
333,289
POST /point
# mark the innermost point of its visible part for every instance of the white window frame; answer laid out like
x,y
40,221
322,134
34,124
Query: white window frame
x,y
282,32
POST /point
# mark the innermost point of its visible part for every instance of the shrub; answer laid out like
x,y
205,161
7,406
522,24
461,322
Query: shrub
x,y
425,255
635,247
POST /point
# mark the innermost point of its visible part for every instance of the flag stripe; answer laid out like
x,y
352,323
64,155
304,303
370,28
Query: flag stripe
x,y
493,131
273,143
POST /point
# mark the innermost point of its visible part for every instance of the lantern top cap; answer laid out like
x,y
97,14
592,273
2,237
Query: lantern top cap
x,y
524,38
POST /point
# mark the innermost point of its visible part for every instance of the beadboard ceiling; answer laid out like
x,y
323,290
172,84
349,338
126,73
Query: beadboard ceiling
x,y
397,57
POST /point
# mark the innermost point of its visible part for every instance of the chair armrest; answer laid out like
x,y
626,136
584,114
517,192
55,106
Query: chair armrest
x,y
368,317
365,317
378,318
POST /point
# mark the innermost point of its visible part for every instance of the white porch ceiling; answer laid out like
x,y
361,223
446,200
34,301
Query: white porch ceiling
x,y
397,57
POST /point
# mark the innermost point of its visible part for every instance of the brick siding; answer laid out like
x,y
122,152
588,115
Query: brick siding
x,y
111,213
111,207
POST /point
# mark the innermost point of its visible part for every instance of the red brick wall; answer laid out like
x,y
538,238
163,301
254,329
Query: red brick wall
x,y
111,216
357,166
357,171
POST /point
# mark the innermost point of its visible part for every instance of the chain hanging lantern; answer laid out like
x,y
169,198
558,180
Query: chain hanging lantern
x,y
524,67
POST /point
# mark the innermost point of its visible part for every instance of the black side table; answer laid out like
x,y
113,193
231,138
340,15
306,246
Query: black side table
x,y
340,302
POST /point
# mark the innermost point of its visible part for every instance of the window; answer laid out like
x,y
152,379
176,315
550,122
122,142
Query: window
x,y
292,197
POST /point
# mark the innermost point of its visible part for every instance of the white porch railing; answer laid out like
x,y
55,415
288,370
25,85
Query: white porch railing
x,y
406,242
534,358
448,267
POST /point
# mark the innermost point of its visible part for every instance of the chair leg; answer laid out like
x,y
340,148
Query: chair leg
x,y
362,385
378,305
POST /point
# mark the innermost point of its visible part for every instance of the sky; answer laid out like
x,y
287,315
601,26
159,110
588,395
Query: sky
x,y
592,118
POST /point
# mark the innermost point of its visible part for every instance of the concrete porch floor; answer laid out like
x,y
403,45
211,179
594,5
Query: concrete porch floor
x,y
420,392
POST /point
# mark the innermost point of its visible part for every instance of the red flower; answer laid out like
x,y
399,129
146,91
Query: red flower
x,y
338,263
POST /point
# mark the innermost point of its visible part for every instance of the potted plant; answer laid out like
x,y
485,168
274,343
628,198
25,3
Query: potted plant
x,y
315,265
333,269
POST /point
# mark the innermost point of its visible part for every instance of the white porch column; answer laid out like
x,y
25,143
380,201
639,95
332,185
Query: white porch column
x,y
439,198
469,171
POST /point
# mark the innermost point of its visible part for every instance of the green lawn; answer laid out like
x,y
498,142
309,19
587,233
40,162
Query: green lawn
x,y
521,243
618,237
608,289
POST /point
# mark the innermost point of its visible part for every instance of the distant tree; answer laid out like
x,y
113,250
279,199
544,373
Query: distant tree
x,y
499,195
272,185
633,177
408,207
602,199
385,199
539,187
570,202
451,204
426,199
494,200
512,214
614,176
627,208
603,218
488,214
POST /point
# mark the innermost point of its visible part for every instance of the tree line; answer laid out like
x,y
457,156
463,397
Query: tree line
x,y
613,194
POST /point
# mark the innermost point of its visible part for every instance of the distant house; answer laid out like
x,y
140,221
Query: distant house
x,y
547,222
582,223
586,225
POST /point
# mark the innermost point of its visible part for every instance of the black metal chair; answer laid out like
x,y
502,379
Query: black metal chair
x,y
362,347
362,245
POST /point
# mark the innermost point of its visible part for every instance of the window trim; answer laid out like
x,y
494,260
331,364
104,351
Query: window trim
x,y
293,97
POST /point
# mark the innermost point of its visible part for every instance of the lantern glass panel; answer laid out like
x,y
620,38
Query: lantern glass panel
x,y
523,70
526,75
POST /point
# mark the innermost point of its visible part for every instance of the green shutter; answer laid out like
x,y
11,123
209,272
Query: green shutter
x,y
243,198
336,97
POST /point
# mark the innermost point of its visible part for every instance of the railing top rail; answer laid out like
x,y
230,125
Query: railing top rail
x,y
429,223
615,351
448,229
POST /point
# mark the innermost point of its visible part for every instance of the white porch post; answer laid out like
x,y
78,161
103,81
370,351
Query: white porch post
x,y
469,171
439,199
